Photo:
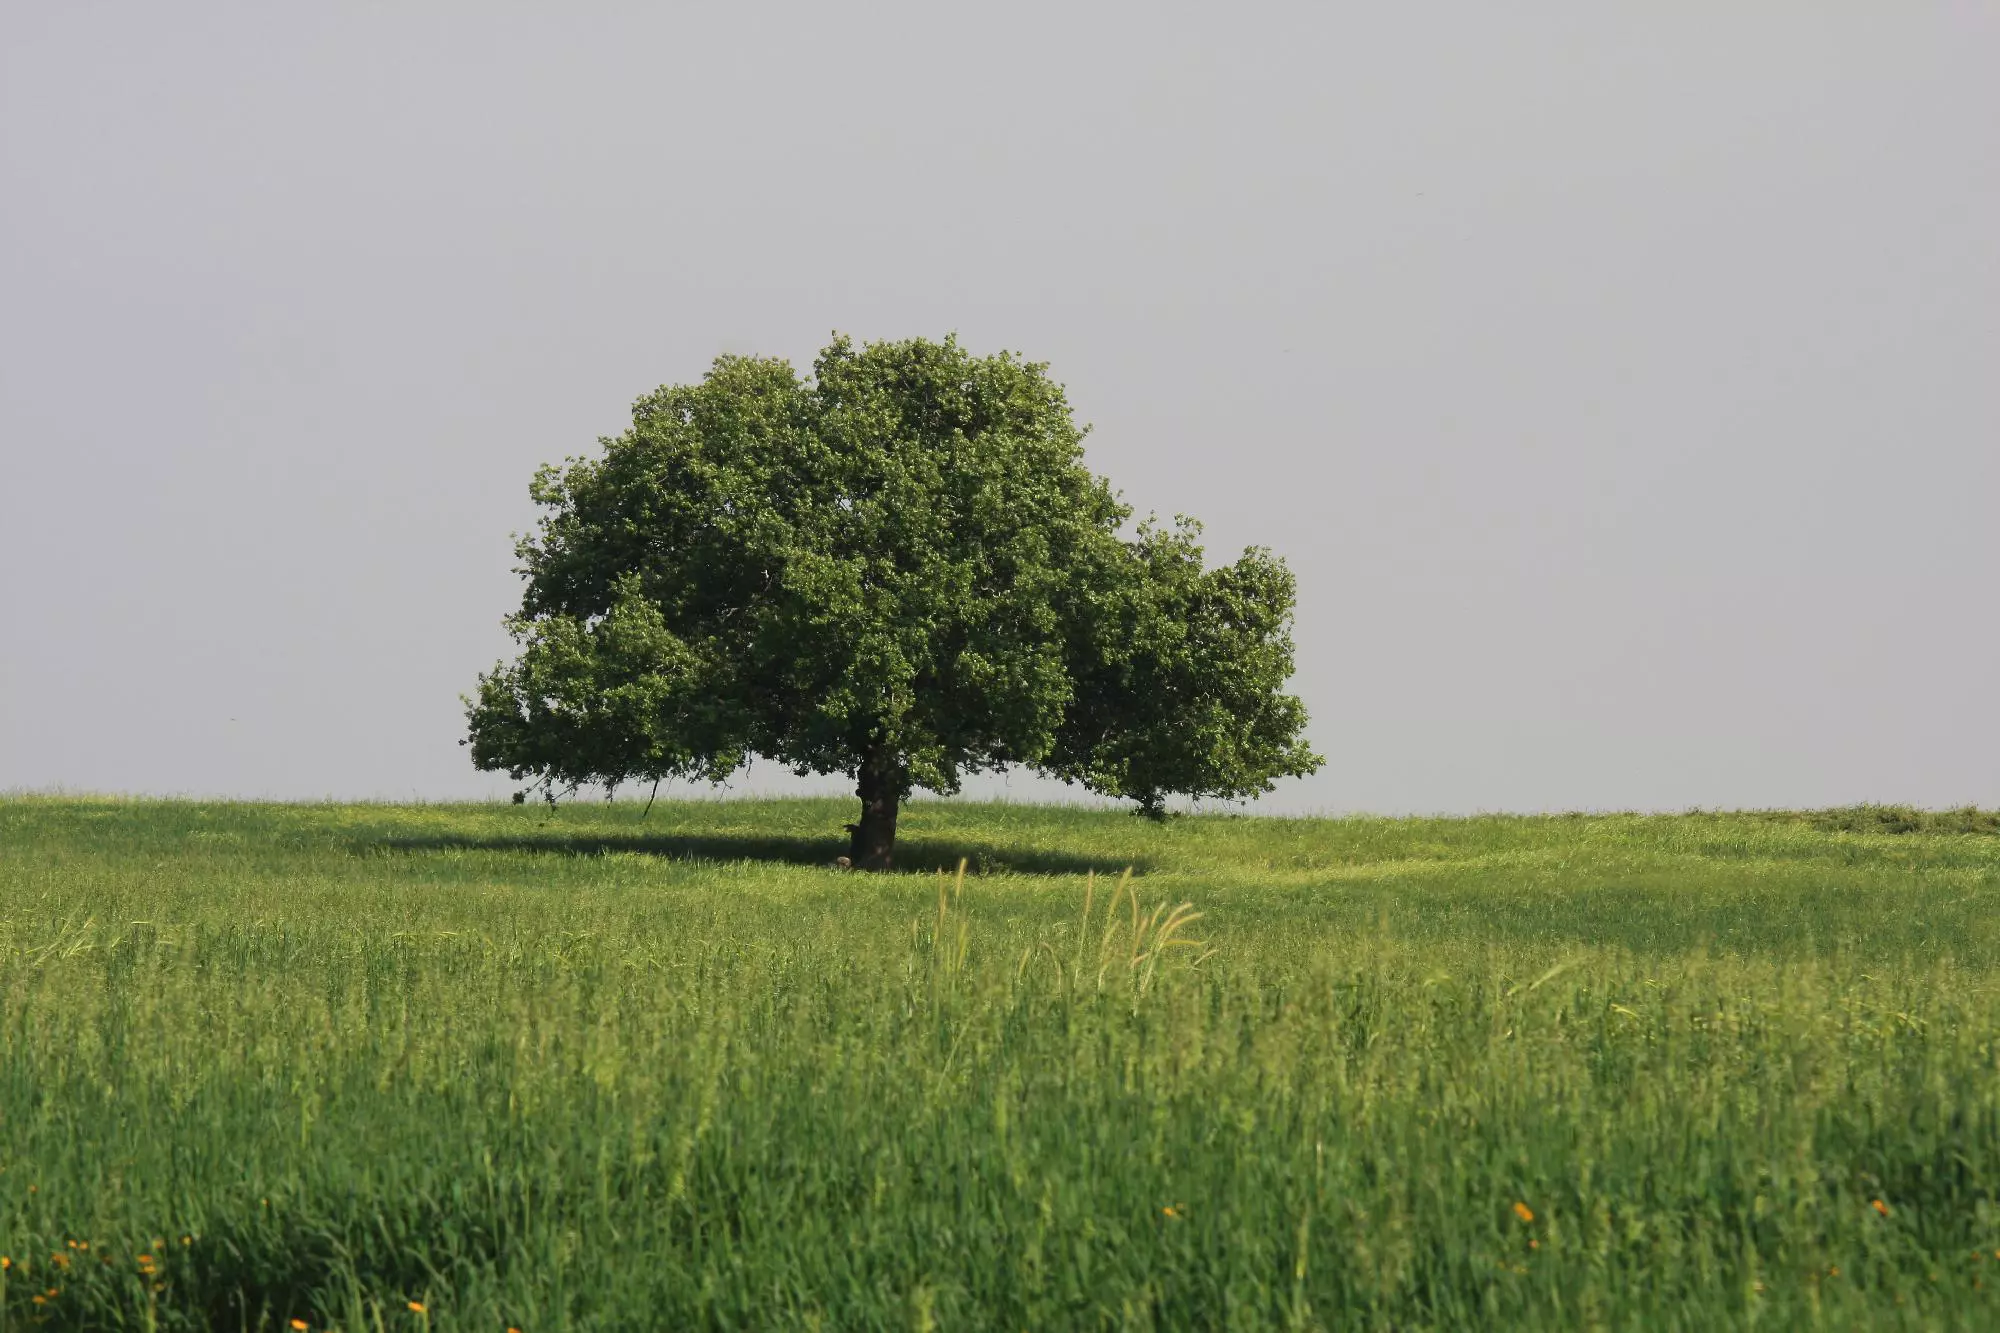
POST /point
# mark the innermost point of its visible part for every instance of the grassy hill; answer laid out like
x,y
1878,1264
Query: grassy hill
x,y
583,1070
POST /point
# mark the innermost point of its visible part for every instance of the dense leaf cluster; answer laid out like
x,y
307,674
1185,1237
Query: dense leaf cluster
x,y
899,565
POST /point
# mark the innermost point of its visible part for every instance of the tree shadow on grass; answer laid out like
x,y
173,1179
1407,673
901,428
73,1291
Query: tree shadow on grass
x,y
914,855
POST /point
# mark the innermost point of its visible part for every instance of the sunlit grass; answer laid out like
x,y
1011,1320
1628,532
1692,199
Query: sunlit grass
x,y
576,1070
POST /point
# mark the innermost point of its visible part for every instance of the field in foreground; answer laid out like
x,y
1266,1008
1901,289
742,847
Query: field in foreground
x,y
379,1067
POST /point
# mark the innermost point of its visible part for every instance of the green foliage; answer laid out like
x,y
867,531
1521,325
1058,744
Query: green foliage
x,y
567,1070
1906,819
1178,681
898,567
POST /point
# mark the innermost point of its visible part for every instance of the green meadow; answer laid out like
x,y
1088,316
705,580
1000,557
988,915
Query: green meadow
x,y
488,1067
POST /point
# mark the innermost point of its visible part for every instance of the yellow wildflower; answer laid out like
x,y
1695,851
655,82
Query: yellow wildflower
x,y
1522,1211
1880,1207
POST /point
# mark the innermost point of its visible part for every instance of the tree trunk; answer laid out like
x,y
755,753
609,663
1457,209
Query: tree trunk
x,y
881,791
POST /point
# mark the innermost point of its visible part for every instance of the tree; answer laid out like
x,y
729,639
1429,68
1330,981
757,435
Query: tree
x,y
898,569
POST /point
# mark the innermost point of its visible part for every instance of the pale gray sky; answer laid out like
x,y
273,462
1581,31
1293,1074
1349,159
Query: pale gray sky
x,y
1622,381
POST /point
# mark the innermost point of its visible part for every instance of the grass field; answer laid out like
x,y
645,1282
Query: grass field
x,y
579,1070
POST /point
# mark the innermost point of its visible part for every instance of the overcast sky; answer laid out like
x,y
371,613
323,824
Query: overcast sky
x,y
1622,381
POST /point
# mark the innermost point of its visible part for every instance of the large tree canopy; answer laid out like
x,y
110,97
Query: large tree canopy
x,y
898,569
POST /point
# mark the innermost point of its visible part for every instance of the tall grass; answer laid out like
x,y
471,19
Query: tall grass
x,y
546,1071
